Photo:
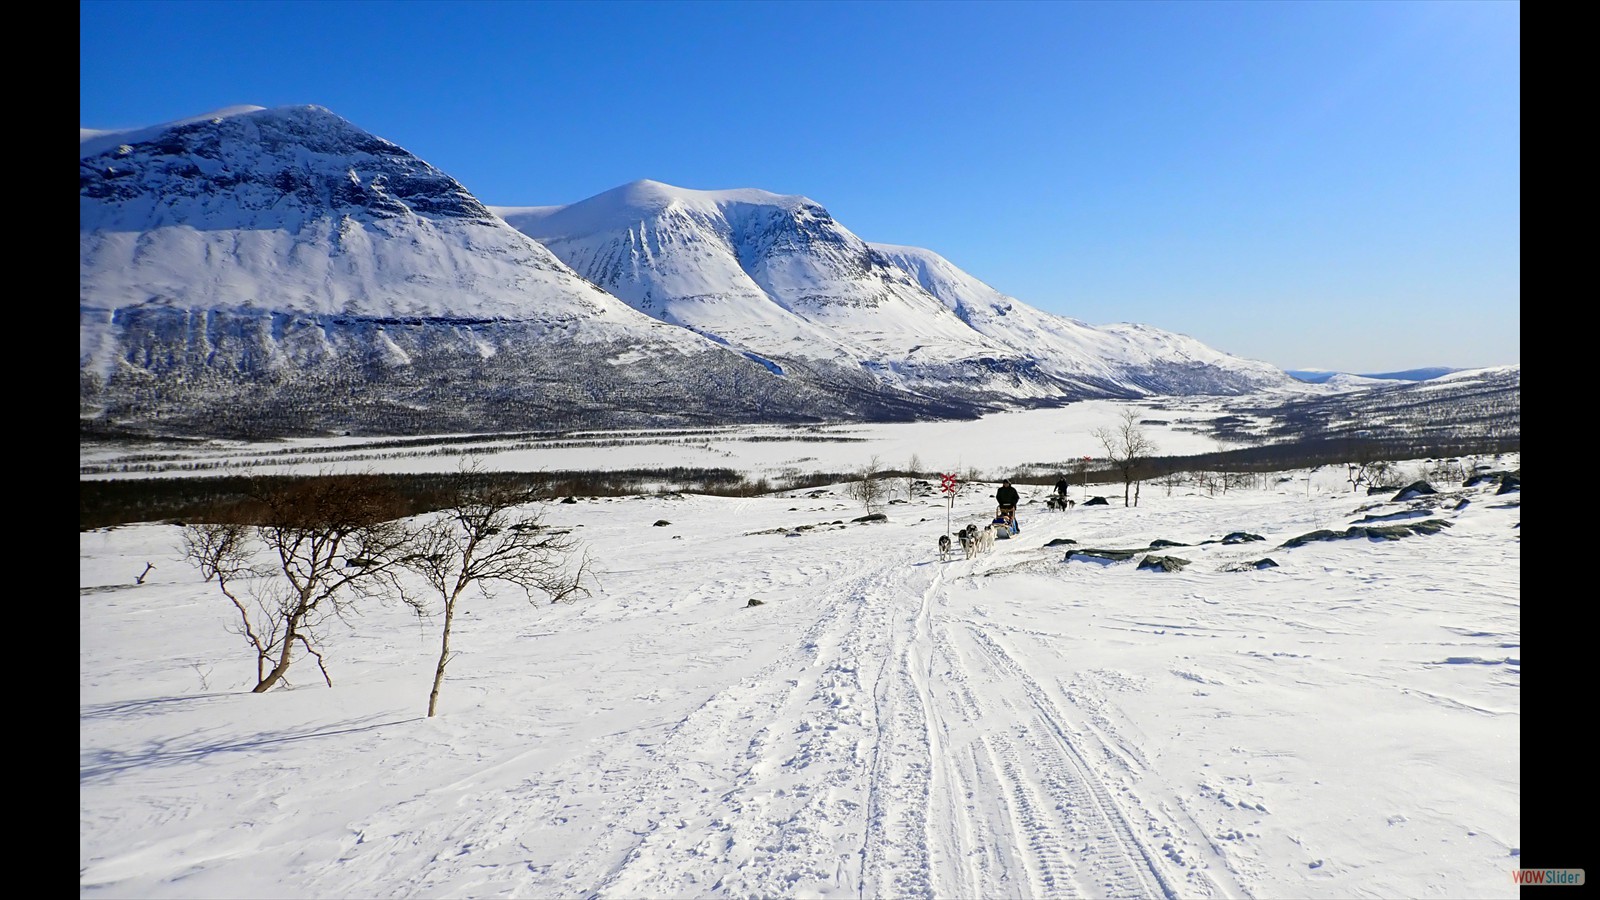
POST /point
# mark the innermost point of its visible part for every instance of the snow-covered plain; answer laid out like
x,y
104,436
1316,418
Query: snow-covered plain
x,y
884,724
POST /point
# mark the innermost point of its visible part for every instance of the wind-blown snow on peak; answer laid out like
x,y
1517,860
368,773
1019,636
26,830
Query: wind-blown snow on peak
x,y
93,141
295,209
643,199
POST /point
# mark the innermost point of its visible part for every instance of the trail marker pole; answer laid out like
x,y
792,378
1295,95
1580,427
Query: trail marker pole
x,y
947,483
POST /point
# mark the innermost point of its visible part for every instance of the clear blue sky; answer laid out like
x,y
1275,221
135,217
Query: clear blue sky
x,y
1316,184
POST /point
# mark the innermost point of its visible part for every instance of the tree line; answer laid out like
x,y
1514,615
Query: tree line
x,y
104,503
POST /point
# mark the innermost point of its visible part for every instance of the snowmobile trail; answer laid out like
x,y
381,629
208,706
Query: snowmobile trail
x,y
895,748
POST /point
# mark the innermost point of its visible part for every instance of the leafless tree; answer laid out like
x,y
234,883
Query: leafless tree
x,y
1364,468
492,535
1445,470
335,540
222,551
1173,479
1127,447
1383,472
913,472
867,489
1237,480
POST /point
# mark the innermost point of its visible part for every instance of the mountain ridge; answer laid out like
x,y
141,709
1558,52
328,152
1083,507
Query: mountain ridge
x,y
282,270
688,256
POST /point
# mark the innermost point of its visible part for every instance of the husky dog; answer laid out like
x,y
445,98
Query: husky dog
x,y
985,538
1059,502
944,547
969,541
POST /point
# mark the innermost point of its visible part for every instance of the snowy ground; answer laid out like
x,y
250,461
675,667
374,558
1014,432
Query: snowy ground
x,y
883,725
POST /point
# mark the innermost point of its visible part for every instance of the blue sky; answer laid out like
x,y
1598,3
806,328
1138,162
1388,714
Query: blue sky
x,y
1314,184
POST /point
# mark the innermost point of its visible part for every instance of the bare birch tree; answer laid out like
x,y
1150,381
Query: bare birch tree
x,y
1127,447
913,472
868,488
222,551
335,540
492,535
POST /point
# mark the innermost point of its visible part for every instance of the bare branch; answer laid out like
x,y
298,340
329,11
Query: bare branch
x,y
492,533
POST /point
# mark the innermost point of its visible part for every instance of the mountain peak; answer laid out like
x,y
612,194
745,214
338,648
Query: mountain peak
x,y
95,141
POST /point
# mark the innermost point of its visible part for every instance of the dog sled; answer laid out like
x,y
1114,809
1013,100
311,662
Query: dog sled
x,y
1004,525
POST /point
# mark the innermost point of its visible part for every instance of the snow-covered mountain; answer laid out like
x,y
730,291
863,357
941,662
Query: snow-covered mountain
x,y
281,270
270,270
769,272
1120,357
779,277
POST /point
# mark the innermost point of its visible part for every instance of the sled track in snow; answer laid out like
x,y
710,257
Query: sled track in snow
x,y
1048,865
1112,861
891,750
772,807
895,856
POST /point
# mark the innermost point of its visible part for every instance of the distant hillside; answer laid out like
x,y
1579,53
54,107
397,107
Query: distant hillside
x,y
1472,409
1318,376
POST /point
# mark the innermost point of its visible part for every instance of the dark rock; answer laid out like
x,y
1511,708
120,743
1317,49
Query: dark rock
x,y
1163,563
1414,490
1495,475
1107,555
1060,542
1097,501
1241,537
1372,532
661,522
1321,534
873,517
1263,563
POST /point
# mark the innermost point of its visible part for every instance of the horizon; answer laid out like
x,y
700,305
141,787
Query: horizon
x,y
1327,187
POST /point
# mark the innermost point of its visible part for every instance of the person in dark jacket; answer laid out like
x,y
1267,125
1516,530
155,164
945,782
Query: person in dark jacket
x,y
1007,498
1062,488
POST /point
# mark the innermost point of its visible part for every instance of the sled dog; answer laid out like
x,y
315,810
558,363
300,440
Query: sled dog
x,y
969,541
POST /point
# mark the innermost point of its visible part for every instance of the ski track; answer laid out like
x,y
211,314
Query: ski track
x,y
864,760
